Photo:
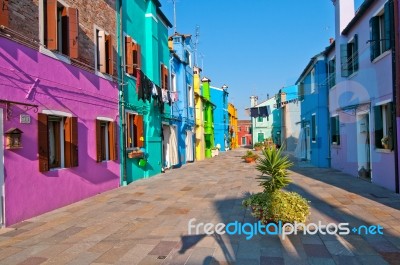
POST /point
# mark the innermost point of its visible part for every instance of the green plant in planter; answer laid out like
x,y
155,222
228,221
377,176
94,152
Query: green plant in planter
x,y
258,146
273,167
250,154
274,204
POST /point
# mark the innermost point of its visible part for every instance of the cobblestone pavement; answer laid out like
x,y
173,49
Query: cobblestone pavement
x,y
146,222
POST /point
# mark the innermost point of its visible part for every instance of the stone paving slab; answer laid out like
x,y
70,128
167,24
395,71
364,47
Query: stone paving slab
x,y
146,222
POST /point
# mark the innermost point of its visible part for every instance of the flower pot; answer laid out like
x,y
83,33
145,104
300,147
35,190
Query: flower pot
x,y
249,159
385,146
135,154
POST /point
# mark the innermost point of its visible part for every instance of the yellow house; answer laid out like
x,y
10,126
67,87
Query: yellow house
x,y
233,126
198,104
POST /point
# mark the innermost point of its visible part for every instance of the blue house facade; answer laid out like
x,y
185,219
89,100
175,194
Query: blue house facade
x,y
313,96
182,95
219,96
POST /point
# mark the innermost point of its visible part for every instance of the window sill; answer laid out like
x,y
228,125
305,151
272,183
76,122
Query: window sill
x,y
55,55
57,168
105,76
381,56
387,151
352,75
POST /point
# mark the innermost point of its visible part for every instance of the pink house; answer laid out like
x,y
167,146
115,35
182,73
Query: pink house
x,y
58,108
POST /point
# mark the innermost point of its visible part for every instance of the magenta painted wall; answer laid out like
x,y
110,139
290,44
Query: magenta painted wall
x,y
60,87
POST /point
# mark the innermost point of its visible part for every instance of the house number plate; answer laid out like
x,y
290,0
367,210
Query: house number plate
x,y
23,118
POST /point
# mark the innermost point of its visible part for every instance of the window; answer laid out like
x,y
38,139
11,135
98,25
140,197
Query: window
x,y
4,12
313,128
301,91
134,130
133,56
332,72
381,28
335,130
104,52
61,28
190,96
188,58
312,85
349,57
240,129
58,142
383,126
260,119
106,144
164,77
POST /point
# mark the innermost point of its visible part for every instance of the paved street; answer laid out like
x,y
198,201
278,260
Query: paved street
x,y
147,222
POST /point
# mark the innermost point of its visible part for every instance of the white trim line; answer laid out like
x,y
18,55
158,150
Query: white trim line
x,y
57,113
383,102
105,119
152,16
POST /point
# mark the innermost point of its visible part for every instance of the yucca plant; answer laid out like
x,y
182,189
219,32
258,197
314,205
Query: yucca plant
x,y
273,167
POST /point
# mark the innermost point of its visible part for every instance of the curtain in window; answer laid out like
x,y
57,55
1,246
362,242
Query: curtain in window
x,y
52,144
173,145
189,146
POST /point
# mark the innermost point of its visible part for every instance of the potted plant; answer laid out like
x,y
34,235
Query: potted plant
x,y
385,142
273,204
214,151
250,157
258,146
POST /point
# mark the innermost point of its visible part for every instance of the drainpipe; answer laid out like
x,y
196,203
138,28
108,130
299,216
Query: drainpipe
x,y
121,93
395,44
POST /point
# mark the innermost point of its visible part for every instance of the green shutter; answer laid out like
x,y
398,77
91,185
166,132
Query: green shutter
x,y
337,130
378,126
355,53
374,37
333,129
388,17
343,60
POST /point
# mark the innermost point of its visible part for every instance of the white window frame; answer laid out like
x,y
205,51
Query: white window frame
x,y
312,82
190,96
96,50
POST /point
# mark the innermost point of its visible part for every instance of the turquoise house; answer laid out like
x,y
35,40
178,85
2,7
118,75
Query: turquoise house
x,y
143,82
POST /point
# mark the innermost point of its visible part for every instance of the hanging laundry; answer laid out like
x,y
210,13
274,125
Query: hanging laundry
x,y
165,96
139,75
254,112
154,91
174,97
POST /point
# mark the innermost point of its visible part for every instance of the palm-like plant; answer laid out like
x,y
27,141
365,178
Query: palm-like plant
x,y
273,167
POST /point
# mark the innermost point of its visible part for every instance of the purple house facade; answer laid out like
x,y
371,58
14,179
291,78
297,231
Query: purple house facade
x,y
361,100
58,105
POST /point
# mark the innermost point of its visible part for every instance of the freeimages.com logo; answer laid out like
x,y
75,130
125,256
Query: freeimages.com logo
x,y
252,229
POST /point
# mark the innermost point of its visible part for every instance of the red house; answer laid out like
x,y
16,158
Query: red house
x,y
244,132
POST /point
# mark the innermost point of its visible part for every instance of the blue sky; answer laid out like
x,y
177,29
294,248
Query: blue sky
x,y
255,47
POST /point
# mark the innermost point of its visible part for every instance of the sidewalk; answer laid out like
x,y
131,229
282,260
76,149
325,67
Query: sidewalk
x,y
147,222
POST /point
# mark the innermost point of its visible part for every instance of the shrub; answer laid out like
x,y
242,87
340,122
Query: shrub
x,y
287,207
250,154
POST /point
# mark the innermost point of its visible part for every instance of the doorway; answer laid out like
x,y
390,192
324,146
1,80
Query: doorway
x,y
308,143
363,146
2,190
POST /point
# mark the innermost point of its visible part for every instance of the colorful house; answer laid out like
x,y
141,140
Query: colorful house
x,y
58,105
361,101
289,107
145,95
264,127
233,126
208,117
199,116
182,109
314,115
244,133
219,96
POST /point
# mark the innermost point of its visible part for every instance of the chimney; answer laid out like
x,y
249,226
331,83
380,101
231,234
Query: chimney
x,y
267,96
344,13
253,101
331,40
